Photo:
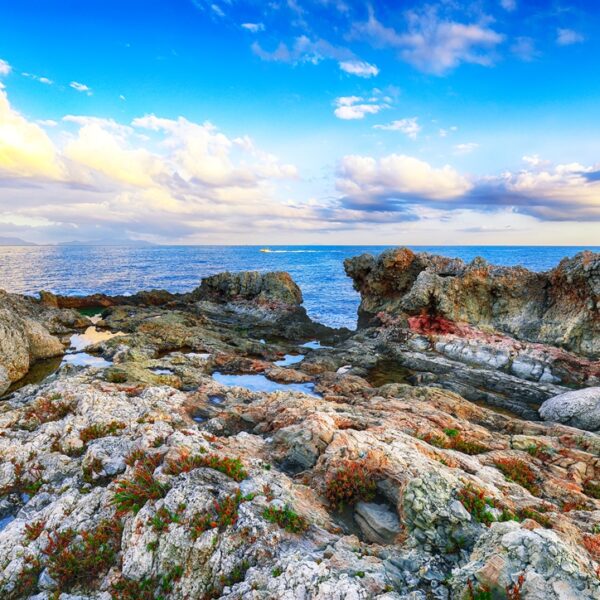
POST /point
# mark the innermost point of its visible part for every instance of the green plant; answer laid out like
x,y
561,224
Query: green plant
x,y
148,588
277,571
100,430
232,467
163,518
77,559
45,410
541,452
286,518
454,440
34,530
481,592
519,472
477,504
591,489
132,494
225,513
352,482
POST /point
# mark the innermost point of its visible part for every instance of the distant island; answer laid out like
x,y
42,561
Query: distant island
x,y
125,242
14,241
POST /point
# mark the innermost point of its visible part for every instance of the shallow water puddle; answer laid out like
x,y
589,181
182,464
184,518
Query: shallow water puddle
x,y
289,359
4,521
388,371
315,345
260,383
83,359
92,335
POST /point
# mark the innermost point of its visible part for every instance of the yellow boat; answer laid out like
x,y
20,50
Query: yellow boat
x,y
266,250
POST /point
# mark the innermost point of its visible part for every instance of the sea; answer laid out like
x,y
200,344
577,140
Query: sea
x,y
319,271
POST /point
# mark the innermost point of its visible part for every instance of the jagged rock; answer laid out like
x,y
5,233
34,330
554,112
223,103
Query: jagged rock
x,y
538,565
277,287
578,408
560,307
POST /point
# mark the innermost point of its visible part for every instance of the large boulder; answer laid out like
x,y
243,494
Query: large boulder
x,y
560,307
263,288
578,408
23,340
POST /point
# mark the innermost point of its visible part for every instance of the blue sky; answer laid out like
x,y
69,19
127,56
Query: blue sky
x,y
301,121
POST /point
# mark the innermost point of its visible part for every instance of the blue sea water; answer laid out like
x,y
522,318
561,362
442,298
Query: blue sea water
x,y
318,270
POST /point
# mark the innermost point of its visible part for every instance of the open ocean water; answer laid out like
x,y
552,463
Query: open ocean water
x,y
318,270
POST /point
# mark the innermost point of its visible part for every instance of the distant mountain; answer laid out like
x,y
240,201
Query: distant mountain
x,y
107,243
14,241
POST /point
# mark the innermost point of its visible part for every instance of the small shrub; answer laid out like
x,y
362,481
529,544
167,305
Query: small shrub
x,y
517,471
26,583
543,453
530,513
592,489
45,410
479,592
79,559
454,440
350,484
286,518
225,514
96,431
477,504
34,530
134,456
132,494
513,592
163,518
232,467
149,588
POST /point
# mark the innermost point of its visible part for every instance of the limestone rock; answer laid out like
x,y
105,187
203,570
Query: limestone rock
x,y
578,408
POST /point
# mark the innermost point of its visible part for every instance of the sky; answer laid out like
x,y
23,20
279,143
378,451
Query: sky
x,y
300,121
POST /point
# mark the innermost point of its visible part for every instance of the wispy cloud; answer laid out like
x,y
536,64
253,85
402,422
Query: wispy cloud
x,y
524,48
432,44
43,80
356,107
5,68
568,37
81,87
508,5
253,27
465,148
409,126
360,68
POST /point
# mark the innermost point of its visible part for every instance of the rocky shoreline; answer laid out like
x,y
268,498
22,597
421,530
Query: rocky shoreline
x,y
229,447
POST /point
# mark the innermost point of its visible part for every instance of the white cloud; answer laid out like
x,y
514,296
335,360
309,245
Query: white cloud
x,y
568,37
81,87
356,107
534,161
43,80
254,27
508,5
433,45
370,182
408,126
465,148
359,68
5,68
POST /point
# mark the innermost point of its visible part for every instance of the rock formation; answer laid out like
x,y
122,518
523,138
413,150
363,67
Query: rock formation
x,y
149,478
560,307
